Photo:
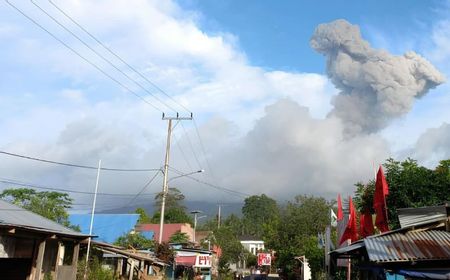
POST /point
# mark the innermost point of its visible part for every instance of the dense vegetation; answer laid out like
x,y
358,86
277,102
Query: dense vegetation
x,y
290,229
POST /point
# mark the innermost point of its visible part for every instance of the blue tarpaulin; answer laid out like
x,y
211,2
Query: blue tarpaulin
x,y
108,227
426,274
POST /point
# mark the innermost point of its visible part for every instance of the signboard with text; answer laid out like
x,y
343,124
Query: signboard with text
x,y
203,261
264,259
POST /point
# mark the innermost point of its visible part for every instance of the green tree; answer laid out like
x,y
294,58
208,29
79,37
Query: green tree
x,y
50,204
172,216
410,185
234,223
231,247
175,211
179,237
294,234
144,218
134,241
257,211
174,199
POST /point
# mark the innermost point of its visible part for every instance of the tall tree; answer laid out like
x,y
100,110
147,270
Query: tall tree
x,y
295,232
231,247
410,185
234,223
52,205
258,210
175,211
174,199
173,216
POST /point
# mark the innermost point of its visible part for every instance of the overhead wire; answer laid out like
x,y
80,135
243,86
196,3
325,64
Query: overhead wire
x,y
84,58
227,190
203,149
117,56
177,142
142,190
78,165
68,190
192,146
118,82
100,55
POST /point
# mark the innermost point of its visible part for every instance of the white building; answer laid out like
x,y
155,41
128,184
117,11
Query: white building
x,y
252,244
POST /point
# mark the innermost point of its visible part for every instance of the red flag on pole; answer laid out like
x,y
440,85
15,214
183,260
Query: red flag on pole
x,y
340,213
379,201
351,231
365,224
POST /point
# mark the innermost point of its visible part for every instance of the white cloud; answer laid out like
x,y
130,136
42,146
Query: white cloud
x,y
264,131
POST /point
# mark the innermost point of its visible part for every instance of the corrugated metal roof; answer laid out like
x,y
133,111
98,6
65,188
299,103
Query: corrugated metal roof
x,y
412,246
410,217
355,246
107,227
14,216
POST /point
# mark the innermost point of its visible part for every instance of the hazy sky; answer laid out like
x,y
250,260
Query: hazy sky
x,y
276,112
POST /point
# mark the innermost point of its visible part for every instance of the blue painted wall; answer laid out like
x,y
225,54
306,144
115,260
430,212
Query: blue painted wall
x,y
108,227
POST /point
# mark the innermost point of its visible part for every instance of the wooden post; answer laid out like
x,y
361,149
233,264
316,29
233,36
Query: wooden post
x,y
130,277
146,268
40,260
59,252
76,252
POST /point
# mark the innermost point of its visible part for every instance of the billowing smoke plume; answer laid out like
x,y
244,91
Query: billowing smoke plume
x,y
375,85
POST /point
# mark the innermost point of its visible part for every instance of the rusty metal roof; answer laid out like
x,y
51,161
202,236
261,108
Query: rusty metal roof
x,y
410,246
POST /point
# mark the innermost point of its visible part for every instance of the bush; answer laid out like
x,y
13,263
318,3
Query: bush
x,y
95,271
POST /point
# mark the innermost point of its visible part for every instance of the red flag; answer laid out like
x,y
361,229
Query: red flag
x,y
351,231
365,224
379,201
340,214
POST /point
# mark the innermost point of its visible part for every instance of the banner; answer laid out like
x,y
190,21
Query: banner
x,y
264,259
203,261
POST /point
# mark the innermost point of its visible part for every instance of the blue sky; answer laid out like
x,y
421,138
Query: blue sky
x,y
274,34
259,92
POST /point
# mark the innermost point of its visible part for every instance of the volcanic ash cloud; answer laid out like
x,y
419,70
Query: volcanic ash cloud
x,y
375,86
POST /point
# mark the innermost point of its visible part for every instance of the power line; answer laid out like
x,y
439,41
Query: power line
x,y
229,191
36,186
203,148
117,56
182,152
100,55
192,146
84,58
142,190
77,165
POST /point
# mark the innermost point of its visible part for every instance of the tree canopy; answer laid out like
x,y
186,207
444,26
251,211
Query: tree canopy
x,y
257,211
50,204
134,241
179,237
410,185
174,199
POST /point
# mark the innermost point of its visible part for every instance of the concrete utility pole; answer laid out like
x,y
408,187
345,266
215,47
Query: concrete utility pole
x,y
166,170
195,212
218,217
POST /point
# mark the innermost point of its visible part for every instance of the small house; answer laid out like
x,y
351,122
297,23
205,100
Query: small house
x,y
33,247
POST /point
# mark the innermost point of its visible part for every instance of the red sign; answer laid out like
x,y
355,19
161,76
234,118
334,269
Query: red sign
x,y
264,259
203,261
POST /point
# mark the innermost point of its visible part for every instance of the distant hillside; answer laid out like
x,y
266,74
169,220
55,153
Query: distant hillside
x,y
209,209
